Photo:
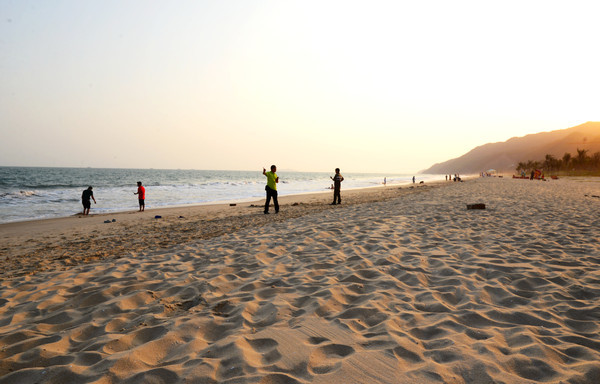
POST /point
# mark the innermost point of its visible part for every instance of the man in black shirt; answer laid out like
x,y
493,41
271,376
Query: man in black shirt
x,y
85,200
337,186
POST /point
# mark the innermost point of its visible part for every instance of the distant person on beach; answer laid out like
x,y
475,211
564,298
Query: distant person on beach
x,y
413,179
385,181
141,192
271,188
85,200
337,186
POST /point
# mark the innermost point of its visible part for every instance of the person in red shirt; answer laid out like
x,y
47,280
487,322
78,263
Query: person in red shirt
x,y
141,192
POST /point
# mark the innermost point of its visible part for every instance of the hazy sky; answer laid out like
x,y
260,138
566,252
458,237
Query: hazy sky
x,y
368,86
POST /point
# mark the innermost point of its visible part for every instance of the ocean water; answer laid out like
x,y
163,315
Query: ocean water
x,y
37,193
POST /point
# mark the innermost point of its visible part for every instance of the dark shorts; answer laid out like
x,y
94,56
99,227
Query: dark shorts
x,y
141,201
86,204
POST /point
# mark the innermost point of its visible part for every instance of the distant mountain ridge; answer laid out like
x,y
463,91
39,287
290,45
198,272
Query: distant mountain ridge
x,y
504,156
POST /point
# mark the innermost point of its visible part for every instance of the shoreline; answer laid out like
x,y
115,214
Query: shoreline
x,y
209,203
220,203
44,244
31,199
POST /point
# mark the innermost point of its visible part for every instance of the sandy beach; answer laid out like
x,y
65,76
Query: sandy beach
x,y
396,285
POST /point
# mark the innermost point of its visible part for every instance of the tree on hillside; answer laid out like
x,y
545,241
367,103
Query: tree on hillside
x,y
581,159
531,165
595,161
550,163
566,160
581,164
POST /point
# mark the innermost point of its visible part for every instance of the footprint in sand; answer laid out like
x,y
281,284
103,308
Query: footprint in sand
x,y
134,339
315,340
278,378
328,358
260,314
260,352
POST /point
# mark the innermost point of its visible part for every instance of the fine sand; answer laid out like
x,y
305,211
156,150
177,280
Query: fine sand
x,y
396,285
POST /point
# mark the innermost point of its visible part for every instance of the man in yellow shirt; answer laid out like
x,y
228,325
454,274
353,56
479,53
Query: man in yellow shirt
x,y
271,188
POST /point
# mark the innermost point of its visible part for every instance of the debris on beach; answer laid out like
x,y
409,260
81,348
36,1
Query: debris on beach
x,y
476,206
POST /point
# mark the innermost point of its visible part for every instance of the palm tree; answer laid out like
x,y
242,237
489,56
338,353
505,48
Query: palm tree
x,y
566,160
549,162
581,158
595,161
530,165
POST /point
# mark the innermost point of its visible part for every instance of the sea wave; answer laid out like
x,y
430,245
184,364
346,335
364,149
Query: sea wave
x,y
18,195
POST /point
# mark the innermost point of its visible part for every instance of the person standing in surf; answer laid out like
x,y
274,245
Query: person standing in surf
x,y
85,200
141,192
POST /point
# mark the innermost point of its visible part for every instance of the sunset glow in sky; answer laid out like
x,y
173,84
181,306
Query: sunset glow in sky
x,y
308,85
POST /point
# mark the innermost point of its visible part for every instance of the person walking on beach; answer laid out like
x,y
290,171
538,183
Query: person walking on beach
x,y
141,192
337,186
271,188
85,200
